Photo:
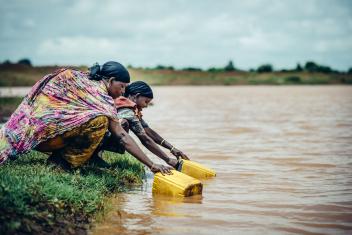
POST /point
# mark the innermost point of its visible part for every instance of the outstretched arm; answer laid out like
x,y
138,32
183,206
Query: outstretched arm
x,y
154,148
162,142
131,146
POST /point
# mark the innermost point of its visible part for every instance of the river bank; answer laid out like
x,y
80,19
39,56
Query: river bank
x,y
38,198
22,75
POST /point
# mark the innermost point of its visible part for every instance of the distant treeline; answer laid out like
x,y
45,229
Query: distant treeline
x,y
22,73
21,61
309,66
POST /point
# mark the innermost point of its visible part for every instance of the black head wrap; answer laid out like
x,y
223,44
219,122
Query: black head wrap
x,y
108,70
140,88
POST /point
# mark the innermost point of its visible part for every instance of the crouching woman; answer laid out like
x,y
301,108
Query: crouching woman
x,y
67,113
138,96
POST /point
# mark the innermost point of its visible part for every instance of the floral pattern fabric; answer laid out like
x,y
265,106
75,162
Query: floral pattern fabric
x,y
57,103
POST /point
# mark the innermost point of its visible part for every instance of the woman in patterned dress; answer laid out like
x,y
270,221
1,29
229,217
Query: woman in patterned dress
x,y
67,113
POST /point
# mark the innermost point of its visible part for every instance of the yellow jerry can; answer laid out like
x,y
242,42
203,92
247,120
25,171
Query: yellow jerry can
x,y
195,169
177,184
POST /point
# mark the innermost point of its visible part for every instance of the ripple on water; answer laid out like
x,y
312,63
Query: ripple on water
x,y
242,130
297,162
282,156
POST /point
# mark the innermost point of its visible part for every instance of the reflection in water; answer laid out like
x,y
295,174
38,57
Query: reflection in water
x,y
283,157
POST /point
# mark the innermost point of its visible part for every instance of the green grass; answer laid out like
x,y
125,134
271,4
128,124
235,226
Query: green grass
x,y
39,198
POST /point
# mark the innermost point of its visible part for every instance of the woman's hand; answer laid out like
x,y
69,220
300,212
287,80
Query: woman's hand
x,y
179,154
172,162
155,168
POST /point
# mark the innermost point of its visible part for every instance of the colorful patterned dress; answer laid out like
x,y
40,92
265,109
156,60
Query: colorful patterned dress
x,y
57,103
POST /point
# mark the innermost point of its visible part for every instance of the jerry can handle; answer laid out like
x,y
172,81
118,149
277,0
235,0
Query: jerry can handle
x,y
178,166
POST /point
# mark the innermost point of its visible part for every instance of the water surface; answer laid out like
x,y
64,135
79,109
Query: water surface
x,y
283,157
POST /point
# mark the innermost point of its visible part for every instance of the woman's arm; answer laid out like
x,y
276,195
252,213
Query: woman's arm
x,y
131,146
154,148
157,138
137,126
162,142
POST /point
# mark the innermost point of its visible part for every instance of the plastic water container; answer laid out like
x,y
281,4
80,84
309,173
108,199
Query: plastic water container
x,y
195,169
177,184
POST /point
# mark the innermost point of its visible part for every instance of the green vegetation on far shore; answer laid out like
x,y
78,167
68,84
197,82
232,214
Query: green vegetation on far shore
x,y
38,198
25,75
169,77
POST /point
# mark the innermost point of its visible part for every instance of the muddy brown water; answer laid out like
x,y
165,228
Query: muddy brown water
x,y
283,156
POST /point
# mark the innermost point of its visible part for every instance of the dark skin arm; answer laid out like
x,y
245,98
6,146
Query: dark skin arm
x,y
154,148
131,147
158,139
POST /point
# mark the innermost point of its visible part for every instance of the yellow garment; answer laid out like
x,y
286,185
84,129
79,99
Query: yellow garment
x,y
77,145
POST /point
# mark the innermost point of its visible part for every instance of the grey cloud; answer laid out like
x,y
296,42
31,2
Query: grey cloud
x,y
180,33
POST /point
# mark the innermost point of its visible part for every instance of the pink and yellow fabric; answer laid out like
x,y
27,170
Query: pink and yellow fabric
x,y
56,104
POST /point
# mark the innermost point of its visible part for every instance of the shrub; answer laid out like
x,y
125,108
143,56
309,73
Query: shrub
x,y
25,62
293,79
265,68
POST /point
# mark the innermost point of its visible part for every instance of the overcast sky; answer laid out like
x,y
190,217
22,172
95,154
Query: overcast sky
x,y
195,33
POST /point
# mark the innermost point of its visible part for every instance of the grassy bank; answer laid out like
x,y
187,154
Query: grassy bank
x,y
21,75
38,198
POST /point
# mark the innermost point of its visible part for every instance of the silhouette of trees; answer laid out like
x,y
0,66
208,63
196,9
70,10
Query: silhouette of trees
x,y
162,67
192,69
310,66
265,68
25,62
298,68
230,66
